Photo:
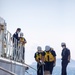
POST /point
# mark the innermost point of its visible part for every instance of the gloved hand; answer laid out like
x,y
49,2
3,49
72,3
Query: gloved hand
x,y
42,63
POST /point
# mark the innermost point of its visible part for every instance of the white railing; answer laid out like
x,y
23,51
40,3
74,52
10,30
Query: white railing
x,y
9,45
10,49
6,71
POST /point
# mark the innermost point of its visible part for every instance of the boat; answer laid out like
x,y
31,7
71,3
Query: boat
x,y
8,65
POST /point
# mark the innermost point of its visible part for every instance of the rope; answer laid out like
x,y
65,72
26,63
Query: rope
x,y
30,67
27,72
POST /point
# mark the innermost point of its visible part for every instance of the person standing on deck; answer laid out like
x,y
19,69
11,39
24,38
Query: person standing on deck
x,y
21,46
65,58
15,43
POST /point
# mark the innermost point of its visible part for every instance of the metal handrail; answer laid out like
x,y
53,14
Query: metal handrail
x,y
7,71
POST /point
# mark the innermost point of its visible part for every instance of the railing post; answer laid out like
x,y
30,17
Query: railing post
x,y
2,36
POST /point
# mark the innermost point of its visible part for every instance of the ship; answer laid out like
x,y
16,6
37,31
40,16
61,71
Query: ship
x,y
8,65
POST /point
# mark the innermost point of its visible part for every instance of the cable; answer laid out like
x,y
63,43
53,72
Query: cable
x,y
30,67
27,72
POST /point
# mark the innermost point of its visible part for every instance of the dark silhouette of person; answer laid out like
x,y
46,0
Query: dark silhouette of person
x,y
15,43
65,58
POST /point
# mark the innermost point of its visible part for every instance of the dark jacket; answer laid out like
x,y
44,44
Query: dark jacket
x,y
65,53
15,38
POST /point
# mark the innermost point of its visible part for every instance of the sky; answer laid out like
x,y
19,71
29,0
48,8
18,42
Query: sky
x,y
43,22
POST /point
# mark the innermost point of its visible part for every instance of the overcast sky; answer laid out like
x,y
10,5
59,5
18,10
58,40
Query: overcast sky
x,y
43,22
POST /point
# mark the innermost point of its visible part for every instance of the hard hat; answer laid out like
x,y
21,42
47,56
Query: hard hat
x,y
21,34
63,44
47,48
39,48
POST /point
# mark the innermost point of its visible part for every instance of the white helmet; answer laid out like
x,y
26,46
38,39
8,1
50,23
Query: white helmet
x,y
39,48
21,34
47,48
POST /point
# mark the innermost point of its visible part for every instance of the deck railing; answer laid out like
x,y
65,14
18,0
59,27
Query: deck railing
x,y
6,72
9,49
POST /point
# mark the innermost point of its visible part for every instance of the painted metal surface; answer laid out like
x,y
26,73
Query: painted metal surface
x,y
13,66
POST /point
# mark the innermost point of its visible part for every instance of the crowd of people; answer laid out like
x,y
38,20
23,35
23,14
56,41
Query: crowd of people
x,y
46,60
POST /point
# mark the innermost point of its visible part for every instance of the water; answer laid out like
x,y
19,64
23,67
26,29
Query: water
x,y
56,71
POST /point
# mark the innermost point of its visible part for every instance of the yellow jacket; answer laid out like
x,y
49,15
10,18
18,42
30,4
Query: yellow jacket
x,y
22,41
49,57
38,56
